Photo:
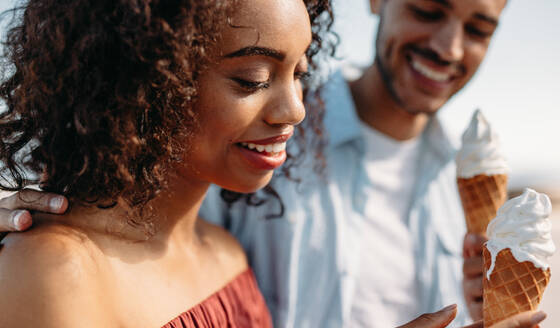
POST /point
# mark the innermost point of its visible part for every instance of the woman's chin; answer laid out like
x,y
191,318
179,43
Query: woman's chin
x,y
248,186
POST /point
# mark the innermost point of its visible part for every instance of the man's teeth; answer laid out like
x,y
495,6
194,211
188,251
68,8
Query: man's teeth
x,y
270,148
430,73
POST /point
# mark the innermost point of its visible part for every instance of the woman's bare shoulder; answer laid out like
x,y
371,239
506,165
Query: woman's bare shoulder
x,y
52,272
48,247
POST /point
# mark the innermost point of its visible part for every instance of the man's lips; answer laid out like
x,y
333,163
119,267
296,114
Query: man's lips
x,y
429,66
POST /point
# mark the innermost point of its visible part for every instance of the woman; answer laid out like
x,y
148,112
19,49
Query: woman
x,y
132,109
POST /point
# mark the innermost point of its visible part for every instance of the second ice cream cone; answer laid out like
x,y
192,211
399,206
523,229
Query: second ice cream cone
x,y
516,257
513,287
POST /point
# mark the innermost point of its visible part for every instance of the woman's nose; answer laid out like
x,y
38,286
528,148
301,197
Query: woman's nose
x,y
287,107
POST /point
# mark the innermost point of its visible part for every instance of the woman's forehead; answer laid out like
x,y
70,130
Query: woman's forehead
x,y
267,23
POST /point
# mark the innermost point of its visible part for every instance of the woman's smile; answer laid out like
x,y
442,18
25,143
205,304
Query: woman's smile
x,y
264,154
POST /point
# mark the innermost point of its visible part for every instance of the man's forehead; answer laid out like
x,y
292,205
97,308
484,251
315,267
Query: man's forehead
x,y
488,10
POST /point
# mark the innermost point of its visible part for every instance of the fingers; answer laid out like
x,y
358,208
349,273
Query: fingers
x,y
17,220
527,319
36,201
478,324
438,319
473,287
473,244
473,275
475,309
473,266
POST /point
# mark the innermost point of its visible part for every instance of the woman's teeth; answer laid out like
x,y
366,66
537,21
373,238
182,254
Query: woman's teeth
x,y
430,73
270,148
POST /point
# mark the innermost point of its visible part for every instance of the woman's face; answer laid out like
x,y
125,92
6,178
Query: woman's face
x,y
251,98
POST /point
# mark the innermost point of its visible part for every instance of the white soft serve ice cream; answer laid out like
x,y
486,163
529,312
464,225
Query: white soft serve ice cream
x,y
480,152
523,226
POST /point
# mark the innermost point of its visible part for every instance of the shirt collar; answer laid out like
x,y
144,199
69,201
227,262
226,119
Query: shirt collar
x,y
438,140
343,124
341,121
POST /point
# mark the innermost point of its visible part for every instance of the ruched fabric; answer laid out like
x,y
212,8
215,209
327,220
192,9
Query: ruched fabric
x,y
238,304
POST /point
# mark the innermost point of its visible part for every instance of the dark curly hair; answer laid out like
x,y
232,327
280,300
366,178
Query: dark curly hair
x,y
99,94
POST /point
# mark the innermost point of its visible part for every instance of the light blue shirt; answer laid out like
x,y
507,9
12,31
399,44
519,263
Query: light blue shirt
x,y
307,262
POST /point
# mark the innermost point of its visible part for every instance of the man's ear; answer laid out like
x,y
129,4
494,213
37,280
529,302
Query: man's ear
x,y
375,6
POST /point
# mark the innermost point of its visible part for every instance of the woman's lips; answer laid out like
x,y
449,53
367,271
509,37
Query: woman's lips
x,y
262,160
265,154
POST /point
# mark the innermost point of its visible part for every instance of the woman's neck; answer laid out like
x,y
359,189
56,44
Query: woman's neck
x,y
175,212
170,218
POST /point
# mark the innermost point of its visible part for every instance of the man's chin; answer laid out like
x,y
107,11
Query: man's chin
x,y
424,106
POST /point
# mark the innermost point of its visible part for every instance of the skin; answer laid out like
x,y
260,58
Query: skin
x,y
398,106
74,272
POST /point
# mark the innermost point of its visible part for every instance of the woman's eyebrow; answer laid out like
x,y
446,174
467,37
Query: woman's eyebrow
x,y
257,51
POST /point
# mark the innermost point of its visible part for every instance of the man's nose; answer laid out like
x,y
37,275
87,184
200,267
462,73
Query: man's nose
x,y
287,108
448,43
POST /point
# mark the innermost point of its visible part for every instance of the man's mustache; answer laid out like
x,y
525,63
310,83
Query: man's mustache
x,y
433,56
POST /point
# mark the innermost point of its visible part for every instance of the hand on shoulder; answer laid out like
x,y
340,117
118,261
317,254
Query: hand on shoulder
x,y
15,208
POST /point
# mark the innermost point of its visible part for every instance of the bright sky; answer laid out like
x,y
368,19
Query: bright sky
x,y
517,87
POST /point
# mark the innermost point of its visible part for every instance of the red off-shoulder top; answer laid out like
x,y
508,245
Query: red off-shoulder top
x,y
239,304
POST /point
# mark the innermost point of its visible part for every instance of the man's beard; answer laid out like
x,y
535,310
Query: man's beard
x,y
384,71
387,76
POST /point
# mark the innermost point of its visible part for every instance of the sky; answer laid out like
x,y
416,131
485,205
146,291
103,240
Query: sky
x,y
517,86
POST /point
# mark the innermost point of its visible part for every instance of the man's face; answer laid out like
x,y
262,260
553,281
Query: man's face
x,y
427,50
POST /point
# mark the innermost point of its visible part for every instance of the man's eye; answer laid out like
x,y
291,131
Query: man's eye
x,y
426,15
302,75
251,86
477,32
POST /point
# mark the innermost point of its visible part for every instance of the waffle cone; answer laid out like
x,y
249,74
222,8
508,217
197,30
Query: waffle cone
x,y
513,287
481,196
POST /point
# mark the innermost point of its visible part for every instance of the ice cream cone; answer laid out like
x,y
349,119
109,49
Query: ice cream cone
x,y
513,286
482,173
481,197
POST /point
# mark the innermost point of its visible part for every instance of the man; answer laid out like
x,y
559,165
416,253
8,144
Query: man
x,y
376,240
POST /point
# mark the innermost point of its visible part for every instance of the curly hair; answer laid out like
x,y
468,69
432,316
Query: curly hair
x,y
99,94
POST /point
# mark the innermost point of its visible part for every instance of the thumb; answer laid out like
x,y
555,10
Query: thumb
x,y
527,319
438,319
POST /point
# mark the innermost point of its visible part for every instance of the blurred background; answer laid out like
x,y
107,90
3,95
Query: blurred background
x,y
517,88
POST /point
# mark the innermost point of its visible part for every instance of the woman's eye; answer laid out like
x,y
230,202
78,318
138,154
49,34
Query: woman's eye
x,y
251,86
426,15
